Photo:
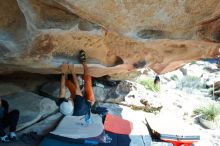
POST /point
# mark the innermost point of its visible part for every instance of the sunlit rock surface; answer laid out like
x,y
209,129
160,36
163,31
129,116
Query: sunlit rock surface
x,y
118,35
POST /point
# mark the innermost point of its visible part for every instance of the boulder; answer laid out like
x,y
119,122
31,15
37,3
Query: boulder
x,y
102,93
118,36
127,93
52,89
9,88
135,93
114,94
195,70
107,94
46,125
114,109
199,68
32,107
124,87
205,71
99,93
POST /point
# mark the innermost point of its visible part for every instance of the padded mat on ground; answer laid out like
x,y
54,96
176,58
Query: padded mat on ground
x,y
74,128
172,128
117,125
56,142
128,140
139,135
117,140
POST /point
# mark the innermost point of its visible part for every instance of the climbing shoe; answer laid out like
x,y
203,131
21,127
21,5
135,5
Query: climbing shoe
x,y
82,56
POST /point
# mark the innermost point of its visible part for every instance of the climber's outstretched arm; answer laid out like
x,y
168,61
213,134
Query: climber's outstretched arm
x,y
75,80
64,69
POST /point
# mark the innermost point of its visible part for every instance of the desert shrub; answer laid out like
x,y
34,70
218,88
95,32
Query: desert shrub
x,y
208,112
193,62
174,77
148,83
189,83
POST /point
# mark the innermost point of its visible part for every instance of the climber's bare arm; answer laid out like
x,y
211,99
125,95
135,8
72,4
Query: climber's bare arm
x,y
85,68
75,80
64,69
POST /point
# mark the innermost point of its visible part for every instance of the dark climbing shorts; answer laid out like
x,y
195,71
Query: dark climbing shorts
x,y
81,106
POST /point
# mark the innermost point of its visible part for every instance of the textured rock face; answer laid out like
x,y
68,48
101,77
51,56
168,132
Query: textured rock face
x,y
32,107
117,35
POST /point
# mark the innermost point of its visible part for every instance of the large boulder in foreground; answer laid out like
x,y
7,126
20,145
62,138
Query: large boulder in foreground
x,y
32,107
118,36
9,88
52,89
45,126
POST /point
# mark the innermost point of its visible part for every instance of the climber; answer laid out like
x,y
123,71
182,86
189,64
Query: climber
x,y
7,119
157,80
156,84
77,104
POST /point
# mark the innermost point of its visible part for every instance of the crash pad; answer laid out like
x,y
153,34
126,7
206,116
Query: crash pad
x,y
117,125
